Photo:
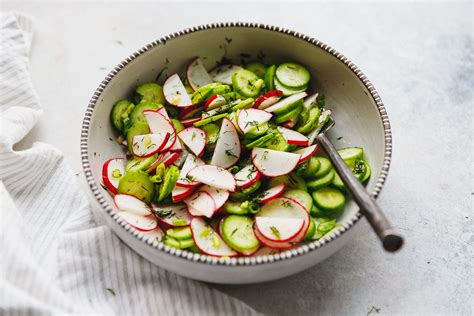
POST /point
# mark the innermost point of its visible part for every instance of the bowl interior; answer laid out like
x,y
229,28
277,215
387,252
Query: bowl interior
x,y
358,120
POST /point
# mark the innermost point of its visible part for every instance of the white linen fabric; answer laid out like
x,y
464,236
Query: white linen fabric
x,y
54,258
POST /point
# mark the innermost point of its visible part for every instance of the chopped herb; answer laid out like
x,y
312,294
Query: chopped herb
x,y
229,152
286,203
215,241
261,55
228,40
119,42
339,138
234,231
374,309
103,186
163,213
265,155
275,231
116,173
193,136
110,138
160,73
205,232
111,291
144,188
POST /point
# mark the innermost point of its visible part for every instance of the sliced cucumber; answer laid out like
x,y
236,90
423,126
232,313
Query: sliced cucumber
x,y
262,140
286,90
169,181
325,167
136,129
316,212
203,93
351,153
178,126
301,197
292,75
212,133
288,108
247,83
257,131
269,77
293,114
278,142
245,193
358,168
257,68
310,122
245,104
137,116
180,233
311,230
321,182
291,181
186,243
210,119
137,163
237,232
138,184
329,200
150,92
235,208
308,168
179,244
367,173
120,114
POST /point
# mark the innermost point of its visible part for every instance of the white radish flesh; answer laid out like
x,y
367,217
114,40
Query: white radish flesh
x,y
159,124
277,228
197,75
131,204
175,92
224,73
286,101
268,99
190,163
142,223
194,138
180,193
252,118
247,176
178,214
209,241
293,137
274,163
149,144
306,152
219,196
201,204
271,193
227,150
215,102
154,235
214,176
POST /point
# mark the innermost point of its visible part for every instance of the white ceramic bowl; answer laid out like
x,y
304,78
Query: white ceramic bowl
x,y
358,110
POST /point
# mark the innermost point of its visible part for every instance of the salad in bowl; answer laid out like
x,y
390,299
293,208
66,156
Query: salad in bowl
x,y
223,161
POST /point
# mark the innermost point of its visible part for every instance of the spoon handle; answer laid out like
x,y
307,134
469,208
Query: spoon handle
x,y
391,240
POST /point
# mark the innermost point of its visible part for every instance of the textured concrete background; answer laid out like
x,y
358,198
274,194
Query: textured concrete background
x,y
420,59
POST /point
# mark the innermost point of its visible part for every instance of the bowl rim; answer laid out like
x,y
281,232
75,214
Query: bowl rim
x,y
238,261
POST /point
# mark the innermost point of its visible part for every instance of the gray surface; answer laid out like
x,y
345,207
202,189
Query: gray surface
x,y
419,57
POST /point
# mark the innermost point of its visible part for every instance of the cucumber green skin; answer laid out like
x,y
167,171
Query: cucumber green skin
x,y
291,181
186,243
137,116
290,115
136,129
245,104
204,92
316,212
289,107
212,133
194,249
257,68
308,168
321,182
286,90
150,92
367,173
329,200
300,196
180,233
230,96
234,208
292,75
169,181
138,163
325,167
177,125
337,181
237,195
269,77
311,230
237,232
311,122
172,111
244,82
138,184
323,221
120,111
278,142
262,140
210,119
257,131
178,244
351,153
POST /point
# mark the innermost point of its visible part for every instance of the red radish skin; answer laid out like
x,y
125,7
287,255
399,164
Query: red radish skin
x,y
181,193
205,243
306,152
293,137
273,163
247,176
158,123
214,102
272,244
108,168
190,112
197,75
190,122
268,99
194,139
271,193
290,123
219,196
175,92
142,150
169,158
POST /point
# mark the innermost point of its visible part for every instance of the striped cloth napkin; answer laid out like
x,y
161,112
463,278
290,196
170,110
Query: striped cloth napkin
x,y
54,258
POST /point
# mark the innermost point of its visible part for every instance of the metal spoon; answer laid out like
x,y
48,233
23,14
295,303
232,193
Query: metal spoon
x,y
391,240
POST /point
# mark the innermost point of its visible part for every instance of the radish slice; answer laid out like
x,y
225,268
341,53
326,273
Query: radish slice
x,y
197,75
163,112
182,158
112,171
286,101
251,252
219,196
175,92
208,241
155,234
273,163
268,99
149,144
293,137
190,122
227,150
266,251
278,228
247,176
170,158
214,176
176,146
271,193
190,163
286,208
158,123
280,245
180,193
177,215
201,204
251,118
290,123
131,204
194,138
306,152
224,73
215,102
140,222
